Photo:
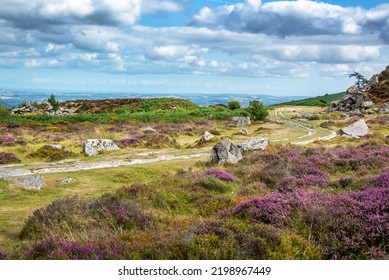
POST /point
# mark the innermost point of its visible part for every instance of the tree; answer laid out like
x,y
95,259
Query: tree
x,y
234,104
53,102
361,80
256,110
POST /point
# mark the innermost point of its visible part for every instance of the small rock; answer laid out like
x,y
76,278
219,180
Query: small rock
x,y
206,137
225,152
344,117
385,108
67,181
356,129
254,144
55,146
149,130
244,131
94,146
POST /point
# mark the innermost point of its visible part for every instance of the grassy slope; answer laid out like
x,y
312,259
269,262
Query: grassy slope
x,y
323,100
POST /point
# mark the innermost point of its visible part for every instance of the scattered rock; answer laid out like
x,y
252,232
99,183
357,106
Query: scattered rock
x,y
385,108
94,146
225,152
344,117
243,121
356,129
30,183
367,104
67,181
244,131
55,146
149,130
206,137
254,144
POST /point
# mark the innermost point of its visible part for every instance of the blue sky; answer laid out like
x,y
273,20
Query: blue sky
x,y
170,46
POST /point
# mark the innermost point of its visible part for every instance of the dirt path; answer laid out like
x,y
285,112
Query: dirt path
x,y
311,132
24,170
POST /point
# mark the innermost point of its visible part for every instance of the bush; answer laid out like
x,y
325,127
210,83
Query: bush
x,y
4,112
7,158
234,104
50,153
220,174
54,103
256,110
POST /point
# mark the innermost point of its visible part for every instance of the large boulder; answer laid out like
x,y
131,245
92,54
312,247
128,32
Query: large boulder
x,y
225,152
356,129
94,146
254,144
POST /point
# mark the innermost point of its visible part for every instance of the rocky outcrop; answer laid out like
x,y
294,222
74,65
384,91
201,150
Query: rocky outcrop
x,y
42,108
356,129
351,102
225,152
255,144
94,146
364,98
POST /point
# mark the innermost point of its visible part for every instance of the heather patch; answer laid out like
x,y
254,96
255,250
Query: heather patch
x,y
8,158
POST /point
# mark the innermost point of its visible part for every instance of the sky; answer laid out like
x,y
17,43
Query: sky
x,y
169,46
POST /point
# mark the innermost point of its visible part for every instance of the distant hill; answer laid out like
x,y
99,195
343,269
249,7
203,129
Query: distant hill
x,y
323,100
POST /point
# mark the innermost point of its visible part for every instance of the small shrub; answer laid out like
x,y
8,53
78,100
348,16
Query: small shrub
x,y
234,104
213,184
3,255
55,248
8,158
11,141
220,174
4,112
50,153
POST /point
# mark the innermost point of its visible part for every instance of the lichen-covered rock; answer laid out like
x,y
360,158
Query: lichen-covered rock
x,y
243,121
94,146
206,137
30,183
356,129
225,152
254,144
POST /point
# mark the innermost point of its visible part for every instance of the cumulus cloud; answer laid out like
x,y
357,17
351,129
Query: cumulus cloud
x,y
296,18
40,13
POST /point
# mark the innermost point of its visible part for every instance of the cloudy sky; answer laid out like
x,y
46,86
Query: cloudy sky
x,y
168,46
